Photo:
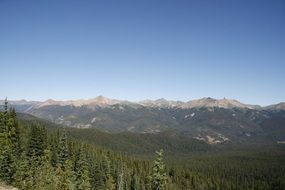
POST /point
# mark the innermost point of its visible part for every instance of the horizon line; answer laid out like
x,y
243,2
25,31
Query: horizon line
x,y
136,101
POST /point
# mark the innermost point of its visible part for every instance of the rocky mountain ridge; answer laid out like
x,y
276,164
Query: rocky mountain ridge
x,y
102,101
214,121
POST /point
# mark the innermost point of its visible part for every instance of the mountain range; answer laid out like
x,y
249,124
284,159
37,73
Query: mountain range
x,y
102,101
215,121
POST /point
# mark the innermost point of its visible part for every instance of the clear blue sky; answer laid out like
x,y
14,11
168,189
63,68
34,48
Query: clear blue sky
x,y
141,49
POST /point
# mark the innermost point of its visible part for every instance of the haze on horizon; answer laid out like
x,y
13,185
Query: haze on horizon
x,y
135,50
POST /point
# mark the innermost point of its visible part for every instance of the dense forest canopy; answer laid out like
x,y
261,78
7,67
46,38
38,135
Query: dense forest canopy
x,y
32,156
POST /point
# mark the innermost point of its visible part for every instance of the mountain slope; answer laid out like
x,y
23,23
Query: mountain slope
x,y
212,125
132,143
209,120
102,101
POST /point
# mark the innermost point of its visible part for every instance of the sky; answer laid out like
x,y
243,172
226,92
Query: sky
x,y
143,49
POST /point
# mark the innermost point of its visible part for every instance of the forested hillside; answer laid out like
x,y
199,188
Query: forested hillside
x,y
38,155
207,120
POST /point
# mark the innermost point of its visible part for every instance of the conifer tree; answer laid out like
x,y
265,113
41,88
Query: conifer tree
x,y
37,141
82,178
62,150
158,177
108,178
45,174
3,136
7,165
13,130
64,177
7,158
5,113
135,185
23,176
110,183
64,172
121,183
98,175
2,130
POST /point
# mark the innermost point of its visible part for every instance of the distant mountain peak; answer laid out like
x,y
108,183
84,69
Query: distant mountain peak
x,y
211,102
161,100
100,97
50,100
102,101
279,106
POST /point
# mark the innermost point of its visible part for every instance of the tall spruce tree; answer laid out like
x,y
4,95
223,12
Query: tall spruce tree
x,y
64,179
64,172
158,177
14,131
82,178
135,183
45,174
63,155
121,181
37,141
5,116
108,178
7,156
24,175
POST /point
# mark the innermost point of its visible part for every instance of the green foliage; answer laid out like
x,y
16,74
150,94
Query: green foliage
x,y
121,178
13,129
24,175
9,144
37,141
82,179
158,177
65,177
62,150
6,166
135,183
45,174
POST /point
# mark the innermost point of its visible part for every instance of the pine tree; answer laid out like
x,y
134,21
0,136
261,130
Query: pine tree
x,y
158,177
5,113
7,158
3,142
37,141
105,168
64,178
63,150
7,165
93,172
14,132
106,174
110,183
135,185
98,176
45,174
24,175
121,183
64,172
2,130
82,178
